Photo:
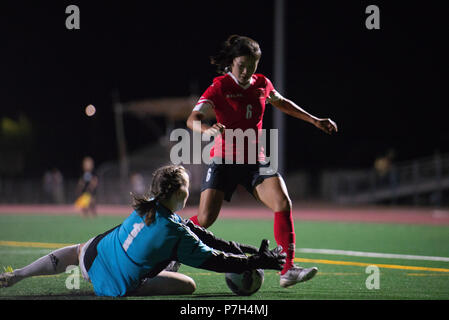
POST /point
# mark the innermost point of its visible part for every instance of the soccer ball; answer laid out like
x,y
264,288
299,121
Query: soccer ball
x,y
245,283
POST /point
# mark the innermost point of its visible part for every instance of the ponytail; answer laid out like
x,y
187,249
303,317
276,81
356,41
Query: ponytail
x,y
166,181
145,208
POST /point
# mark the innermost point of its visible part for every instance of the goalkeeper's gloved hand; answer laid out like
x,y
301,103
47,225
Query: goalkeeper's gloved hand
x,y
267,259
244,248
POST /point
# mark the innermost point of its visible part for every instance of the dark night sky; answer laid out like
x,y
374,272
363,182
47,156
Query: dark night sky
x,y
385,88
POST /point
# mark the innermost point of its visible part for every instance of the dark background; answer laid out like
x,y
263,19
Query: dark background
x,y
385,88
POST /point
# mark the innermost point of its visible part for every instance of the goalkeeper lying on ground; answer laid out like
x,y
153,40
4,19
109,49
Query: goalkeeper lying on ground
x,y
132,258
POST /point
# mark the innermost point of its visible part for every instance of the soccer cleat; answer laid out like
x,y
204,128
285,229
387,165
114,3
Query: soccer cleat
x,y
173,266
296,275
8,279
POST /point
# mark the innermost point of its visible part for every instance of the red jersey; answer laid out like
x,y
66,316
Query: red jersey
x,y
238,107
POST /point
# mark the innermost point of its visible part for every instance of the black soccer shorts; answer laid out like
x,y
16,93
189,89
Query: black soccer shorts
x,y
226,177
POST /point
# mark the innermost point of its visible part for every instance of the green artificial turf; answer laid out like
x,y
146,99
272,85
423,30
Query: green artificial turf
x,y
334,281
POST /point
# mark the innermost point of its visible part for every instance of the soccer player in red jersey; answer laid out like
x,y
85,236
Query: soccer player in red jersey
x,y
238,97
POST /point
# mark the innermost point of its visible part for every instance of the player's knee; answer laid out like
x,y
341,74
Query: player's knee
x,y
283,204
207,222
189,286
206,219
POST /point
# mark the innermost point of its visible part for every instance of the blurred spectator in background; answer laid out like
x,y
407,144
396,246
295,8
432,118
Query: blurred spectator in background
x,y
385,173
383,163
53,183
87,189
137,184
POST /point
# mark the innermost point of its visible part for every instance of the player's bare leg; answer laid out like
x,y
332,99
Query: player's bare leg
x,y
93,207
210,206
272,192
166,283
85,212
53,263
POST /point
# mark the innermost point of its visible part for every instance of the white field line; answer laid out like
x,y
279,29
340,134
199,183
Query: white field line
x,y
372,254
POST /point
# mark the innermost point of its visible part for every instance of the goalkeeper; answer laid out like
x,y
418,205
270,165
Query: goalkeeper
x,y
131,258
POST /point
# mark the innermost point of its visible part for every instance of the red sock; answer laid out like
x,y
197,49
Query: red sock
x,y
284,234
194,219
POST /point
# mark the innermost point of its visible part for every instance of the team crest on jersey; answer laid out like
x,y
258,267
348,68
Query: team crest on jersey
x,y
235,95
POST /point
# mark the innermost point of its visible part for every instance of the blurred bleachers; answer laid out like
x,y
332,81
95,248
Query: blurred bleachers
x,y
423,181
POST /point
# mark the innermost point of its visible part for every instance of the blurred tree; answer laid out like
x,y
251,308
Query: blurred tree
x,y
16,138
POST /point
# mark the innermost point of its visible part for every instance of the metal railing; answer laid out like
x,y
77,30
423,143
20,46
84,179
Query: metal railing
x,y
410,179
407,182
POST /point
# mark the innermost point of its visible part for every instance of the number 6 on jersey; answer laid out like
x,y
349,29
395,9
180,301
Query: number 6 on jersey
x,y
249,111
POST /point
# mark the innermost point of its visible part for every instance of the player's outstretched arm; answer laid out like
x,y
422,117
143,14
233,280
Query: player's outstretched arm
x,y
192,251
264,259
289,107
220,244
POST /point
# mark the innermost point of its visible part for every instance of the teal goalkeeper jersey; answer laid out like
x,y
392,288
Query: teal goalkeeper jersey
x,y
133,251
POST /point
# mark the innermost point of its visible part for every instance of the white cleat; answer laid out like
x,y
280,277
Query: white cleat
x,y
8,279
296,275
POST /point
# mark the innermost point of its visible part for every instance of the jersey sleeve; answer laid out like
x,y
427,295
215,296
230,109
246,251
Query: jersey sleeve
x,y
217,243
191,250
208,99
195,253
272,94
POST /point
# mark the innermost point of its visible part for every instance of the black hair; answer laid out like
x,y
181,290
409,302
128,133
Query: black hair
x,y
166,181
235,46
